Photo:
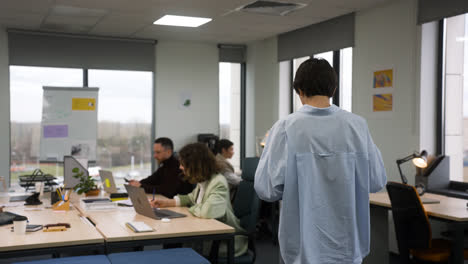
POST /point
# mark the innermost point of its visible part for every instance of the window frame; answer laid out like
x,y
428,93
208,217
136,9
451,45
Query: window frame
x,y
336,65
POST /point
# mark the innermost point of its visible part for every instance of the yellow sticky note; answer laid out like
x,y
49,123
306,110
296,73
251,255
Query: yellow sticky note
x,y
83,104
107,183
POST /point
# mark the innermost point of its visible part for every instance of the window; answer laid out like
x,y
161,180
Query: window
x,y
125,109
230,107
344,72
125,106
455,86
26,107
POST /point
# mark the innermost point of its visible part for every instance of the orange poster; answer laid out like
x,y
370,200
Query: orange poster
x,y
383,78
383,102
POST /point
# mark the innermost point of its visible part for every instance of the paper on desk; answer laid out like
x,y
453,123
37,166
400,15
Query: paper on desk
x,y
126,202
14,204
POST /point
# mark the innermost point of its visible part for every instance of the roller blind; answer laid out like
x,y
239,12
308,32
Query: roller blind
x,y
75,51
232,53
333,34
432,10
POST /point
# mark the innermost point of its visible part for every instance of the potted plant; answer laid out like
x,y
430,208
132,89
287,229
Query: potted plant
x,y
86,184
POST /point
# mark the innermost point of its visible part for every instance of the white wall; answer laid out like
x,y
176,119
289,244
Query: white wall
x,y
250,141
4,107
185,67
387,37
263,78
428,92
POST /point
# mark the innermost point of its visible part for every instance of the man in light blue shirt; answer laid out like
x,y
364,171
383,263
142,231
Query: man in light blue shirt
x,y
321,161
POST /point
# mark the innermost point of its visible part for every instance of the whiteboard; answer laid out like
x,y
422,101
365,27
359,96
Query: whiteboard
x,y
69,123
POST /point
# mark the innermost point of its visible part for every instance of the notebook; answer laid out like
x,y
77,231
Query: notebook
x,y
138,227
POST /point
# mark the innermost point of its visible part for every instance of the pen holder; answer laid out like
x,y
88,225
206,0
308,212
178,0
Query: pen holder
x,y
54,197
61,206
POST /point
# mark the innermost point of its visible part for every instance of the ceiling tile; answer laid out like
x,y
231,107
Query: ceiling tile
x,y
120,25
30,6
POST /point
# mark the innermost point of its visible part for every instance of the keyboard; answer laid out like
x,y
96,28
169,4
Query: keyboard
x,y
164,213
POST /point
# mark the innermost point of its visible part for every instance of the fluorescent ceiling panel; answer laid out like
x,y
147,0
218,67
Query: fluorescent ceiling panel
x,y
182,21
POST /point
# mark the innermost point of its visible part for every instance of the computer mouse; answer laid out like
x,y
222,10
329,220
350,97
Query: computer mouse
x,y
165,220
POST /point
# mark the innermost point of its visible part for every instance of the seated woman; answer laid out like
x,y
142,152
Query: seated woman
x,y
210,198
224,149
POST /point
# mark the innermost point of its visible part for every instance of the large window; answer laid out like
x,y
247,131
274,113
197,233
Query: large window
x,y
344,71
455,84
124,121
124,141
26,107
230,107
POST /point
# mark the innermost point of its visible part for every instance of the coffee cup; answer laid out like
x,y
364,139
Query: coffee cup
x,y
19,225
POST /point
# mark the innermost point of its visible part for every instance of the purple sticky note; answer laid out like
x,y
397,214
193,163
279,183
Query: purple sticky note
x,y
55,131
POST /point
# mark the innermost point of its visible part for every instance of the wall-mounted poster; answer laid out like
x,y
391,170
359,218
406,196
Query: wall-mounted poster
x,y
382,102
383,79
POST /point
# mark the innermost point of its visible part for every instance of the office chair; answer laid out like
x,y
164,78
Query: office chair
x,y
246,205
412,227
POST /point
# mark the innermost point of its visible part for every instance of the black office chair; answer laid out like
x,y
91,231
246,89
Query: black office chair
x,y
412,227
246,205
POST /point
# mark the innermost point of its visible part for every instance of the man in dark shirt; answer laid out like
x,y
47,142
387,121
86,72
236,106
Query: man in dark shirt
x,y
167,179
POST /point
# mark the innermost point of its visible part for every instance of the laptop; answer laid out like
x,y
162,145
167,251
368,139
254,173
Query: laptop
x,y
70,163
143,207
108,181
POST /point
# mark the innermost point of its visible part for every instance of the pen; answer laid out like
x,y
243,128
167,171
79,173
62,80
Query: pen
x,y
58,192
154,191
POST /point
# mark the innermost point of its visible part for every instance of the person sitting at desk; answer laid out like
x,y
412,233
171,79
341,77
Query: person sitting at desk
x,y
210,199
224,149
167,180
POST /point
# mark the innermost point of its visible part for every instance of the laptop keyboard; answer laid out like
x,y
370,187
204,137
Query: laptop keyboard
x,y
161,213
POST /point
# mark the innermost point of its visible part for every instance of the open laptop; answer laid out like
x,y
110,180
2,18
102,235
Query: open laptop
x,y
143,207
108,181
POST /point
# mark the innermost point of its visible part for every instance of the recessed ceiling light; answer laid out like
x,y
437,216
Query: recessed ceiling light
x,y
182,21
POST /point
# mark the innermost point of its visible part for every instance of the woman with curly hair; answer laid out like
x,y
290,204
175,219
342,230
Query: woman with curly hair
x,y
210,198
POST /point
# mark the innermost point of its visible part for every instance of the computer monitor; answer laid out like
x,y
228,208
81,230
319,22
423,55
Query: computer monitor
x,y
436,175
69,163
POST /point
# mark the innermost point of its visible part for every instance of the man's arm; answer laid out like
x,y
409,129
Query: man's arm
x,y
377,174
271,170
169,180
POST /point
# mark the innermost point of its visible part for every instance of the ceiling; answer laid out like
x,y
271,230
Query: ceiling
x,y
134,18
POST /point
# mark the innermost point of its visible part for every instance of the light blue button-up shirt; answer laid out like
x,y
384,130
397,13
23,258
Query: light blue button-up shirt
x,y
322,163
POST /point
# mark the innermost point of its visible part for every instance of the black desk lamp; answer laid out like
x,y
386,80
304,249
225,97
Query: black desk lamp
x,y
419,160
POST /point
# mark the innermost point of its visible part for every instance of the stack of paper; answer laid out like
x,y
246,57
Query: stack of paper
x,y
97,204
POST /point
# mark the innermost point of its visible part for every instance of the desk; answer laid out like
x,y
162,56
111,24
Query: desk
x,y
81,235
450,210
111,224
109,233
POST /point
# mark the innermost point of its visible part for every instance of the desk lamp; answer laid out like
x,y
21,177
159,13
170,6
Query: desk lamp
x,y
419,160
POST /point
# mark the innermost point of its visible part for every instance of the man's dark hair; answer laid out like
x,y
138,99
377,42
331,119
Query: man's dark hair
x,y
165,142
222,144
315,77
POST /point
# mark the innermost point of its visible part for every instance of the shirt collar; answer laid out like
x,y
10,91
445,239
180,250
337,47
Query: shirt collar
x,y
319,111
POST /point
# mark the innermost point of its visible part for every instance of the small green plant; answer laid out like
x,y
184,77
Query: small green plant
x,y
86,182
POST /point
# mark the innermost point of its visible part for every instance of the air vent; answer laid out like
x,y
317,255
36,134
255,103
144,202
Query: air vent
x,y
271,7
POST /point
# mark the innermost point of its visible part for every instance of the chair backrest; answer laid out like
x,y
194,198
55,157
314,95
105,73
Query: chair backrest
x,y
412,226
246,203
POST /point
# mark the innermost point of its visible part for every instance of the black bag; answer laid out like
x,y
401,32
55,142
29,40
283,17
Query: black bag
x,y
7,218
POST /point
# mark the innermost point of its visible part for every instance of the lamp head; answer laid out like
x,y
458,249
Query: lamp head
x,y
263,142
420,160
